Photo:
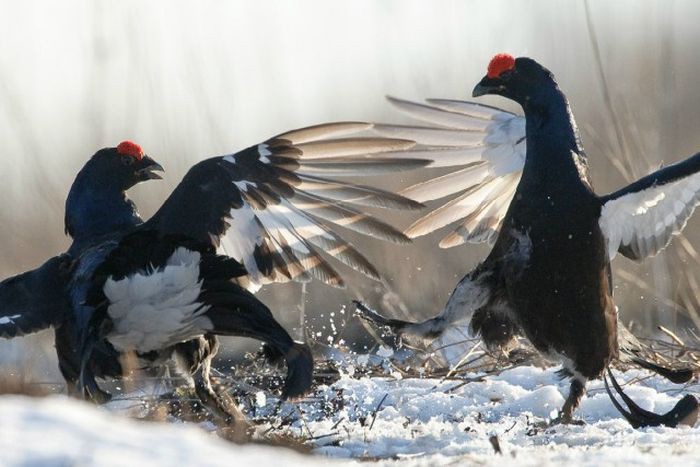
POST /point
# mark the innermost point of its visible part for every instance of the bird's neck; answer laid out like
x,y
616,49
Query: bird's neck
x,y
94,209
554,151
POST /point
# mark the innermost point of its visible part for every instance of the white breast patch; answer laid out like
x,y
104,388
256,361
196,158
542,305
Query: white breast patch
x,y
155,309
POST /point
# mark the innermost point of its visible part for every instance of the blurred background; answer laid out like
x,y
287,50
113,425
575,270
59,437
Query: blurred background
x,y
188,80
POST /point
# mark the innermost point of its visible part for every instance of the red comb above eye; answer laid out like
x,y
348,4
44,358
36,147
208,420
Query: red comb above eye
x,y
500,63
129,148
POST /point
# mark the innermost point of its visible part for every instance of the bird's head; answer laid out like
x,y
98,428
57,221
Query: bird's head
x,y
126,165
521,79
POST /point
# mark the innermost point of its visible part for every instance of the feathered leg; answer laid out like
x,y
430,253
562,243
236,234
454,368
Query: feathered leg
x,y
218,404
576,392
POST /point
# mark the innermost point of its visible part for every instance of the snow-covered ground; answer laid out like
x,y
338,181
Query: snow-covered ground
x,y
405,421
57,431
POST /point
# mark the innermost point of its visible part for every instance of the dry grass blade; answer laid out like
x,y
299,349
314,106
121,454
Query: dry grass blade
x,y
672,335
376,410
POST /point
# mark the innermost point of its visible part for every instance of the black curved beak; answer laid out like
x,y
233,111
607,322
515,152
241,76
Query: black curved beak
x,y
488,86
148,169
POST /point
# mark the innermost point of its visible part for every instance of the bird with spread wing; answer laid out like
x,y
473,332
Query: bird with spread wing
x,y
521,183
165,288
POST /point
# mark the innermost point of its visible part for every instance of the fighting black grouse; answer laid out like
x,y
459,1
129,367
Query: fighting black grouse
x,y
273,199
264,206
527,190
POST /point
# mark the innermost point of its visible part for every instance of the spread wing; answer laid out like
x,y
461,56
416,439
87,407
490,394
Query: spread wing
x,y
34,300
640,219
273,207
486,145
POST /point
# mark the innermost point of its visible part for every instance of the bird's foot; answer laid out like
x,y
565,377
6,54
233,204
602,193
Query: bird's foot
x,y
564,419
221,406
561,419
91,391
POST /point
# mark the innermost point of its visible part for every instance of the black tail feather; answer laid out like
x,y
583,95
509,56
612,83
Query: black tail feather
x,y
685,412
675,375
271,354
300,371
87,385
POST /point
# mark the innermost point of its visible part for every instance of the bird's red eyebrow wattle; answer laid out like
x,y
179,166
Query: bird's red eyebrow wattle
x,y
129,148
500,63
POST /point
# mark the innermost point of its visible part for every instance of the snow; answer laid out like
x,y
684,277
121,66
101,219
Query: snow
x,y
432,421
57,431
406,421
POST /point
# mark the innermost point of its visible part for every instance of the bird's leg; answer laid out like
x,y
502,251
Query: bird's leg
x,y
576,392
566,415
218,404
472,293
368,314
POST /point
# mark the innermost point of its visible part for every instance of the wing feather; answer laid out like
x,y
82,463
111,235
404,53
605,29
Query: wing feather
x,y
640,220
467,205
484,145
34,300
273,209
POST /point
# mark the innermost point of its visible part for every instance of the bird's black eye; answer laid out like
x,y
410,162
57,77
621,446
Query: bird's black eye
x,y
127,160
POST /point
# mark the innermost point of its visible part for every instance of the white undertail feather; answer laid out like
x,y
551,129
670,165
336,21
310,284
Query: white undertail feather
x,y
155,309
644,222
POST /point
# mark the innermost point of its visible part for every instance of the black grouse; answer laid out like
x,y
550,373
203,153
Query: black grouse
x,y
548,275
99,213
271,209
97,207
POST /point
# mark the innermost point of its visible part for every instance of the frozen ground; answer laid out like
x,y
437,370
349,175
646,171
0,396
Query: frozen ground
x,y
409,422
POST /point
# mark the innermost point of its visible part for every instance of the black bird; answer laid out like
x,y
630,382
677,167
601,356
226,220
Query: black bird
x,y
271,208
485,148
283,242
548,275
97,207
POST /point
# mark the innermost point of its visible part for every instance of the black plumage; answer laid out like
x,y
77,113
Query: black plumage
x,y
548,274
222,307
258,206
97,210
253,196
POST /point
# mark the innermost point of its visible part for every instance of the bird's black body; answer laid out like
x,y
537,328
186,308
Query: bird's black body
x,y
98,213
560,293
548,275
